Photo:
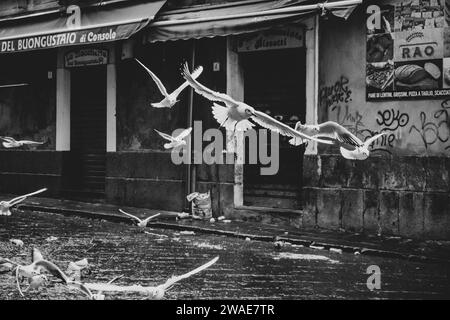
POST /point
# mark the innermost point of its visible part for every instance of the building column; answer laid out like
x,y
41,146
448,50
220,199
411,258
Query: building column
x,y
312,76
62,104
111,99
235,88
111,105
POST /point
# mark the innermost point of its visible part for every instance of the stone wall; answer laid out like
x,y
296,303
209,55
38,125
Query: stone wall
x,y
403,188
399,195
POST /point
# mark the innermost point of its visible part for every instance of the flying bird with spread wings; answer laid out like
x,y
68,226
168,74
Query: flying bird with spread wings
x,y
175,141
169,99
235,115
142,223
9,142
6,205
351,146
157,292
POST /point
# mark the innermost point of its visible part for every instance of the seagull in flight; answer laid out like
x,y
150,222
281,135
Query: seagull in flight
x,y
235,116
175,141
169,99
9,142
351,146
6,205
140,223
154,292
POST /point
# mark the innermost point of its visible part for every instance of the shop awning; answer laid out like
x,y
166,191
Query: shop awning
x,y
76,26
239,17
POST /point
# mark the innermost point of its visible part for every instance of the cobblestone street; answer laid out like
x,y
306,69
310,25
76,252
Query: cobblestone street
x,y
245,270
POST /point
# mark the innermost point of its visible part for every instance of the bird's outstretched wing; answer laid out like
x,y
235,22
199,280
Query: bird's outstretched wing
x,y
165,135
130,215
331,129
184,134
8,139
155,79
206,92
30,142
21,198
369,141
53,269
170,282
197,72
270,123
37,255
151,217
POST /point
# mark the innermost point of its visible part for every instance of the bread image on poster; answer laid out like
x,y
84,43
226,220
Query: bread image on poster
x,y
419,75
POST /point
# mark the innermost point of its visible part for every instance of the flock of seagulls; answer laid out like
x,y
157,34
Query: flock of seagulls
x,y
35,274
231,114
238,116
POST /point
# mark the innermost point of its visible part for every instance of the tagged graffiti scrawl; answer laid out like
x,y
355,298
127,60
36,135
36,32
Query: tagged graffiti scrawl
x,y
333,95
436,129
392,120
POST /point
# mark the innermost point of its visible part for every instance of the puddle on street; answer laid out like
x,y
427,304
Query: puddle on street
x,y
300,256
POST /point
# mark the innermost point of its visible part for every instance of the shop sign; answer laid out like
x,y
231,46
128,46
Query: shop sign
x,y
282,38
408,50
86,57
68,38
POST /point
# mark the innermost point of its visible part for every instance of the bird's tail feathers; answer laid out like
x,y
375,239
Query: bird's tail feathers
x,y
296,141
220,113
243,125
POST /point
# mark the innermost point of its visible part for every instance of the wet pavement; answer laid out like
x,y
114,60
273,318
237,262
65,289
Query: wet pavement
x,y
245,270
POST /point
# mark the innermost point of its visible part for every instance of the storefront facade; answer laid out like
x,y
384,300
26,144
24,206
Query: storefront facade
x,y
91,103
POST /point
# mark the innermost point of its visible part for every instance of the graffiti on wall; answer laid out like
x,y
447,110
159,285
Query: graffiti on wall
x,y
434,129
336,94
426,128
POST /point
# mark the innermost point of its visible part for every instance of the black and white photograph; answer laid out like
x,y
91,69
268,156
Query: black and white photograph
x,y
224,155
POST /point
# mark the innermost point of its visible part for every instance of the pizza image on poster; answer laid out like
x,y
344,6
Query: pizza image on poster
x,y
380,76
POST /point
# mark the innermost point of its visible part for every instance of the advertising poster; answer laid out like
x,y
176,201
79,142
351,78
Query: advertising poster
x,y
408,50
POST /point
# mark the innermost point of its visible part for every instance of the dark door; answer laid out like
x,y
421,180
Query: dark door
x,y
88,130
274,82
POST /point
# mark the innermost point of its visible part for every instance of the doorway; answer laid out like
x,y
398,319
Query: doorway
x,y
275,83
87,155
